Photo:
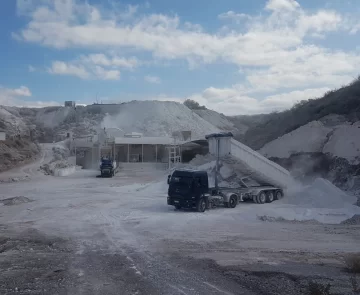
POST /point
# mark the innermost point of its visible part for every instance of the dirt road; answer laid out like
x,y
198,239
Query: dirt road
x,y
84,235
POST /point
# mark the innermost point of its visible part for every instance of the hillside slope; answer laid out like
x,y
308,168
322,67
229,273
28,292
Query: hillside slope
x,y
156,118
18,148
13,122
309,138
152,118
221,121
344,101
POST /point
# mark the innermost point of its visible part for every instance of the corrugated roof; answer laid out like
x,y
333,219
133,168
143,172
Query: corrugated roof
x,y
144,140
220,134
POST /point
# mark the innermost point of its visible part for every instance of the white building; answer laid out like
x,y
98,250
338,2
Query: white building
x,y
131,149
70,103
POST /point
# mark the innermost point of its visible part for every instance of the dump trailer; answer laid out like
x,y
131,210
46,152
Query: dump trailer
x,y
107,168
190,189
224,147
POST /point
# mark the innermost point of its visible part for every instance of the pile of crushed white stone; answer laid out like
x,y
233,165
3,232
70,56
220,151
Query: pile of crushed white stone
x,y
320,201
60,160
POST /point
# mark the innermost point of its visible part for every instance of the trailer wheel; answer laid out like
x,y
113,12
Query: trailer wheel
x,y
256,199
201,205
270,197
232,201
279,195
261,198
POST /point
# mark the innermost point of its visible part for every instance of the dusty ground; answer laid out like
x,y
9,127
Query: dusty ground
x,y
85,235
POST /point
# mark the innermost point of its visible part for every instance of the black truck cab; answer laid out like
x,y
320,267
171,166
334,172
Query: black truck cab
x,y
188,189
107,168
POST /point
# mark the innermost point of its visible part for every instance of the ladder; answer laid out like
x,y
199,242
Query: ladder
x,y
174,155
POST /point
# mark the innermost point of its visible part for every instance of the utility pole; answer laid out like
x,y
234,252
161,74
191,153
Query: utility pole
x,y
76,123
217,163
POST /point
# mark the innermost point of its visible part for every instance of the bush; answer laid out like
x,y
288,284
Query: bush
x,y
193,105
352,262
7,155
319,289
19,143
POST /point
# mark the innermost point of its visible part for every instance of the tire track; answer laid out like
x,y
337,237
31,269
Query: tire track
x,y
167,277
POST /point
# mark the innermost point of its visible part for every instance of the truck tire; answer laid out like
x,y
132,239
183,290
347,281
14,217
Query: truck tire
x,y
279,195
232,201
270,197
261,198
201,205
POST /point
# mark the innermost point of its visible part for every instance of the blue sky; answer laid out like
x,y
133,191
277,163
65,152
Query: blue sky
x,y
236,57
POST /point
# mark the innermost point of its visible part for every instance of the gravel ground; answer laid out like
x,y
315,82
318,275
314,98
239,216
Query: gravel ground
x,y
84,235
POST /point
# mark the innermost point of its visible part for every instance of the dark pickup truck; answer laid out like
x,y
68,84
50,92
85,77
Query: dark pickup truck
x,y
190,189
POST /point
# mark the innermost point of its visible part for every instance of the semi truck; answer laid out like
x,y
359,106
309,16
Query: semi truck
x,y
264,182
190,189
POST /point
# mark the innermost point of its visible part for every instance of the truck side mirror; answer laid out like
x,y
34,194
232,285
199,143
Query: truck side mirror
x,y
168,180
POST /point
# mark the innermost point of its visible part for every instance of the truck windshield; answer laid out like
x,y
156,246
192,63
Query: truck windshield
x,y
181,180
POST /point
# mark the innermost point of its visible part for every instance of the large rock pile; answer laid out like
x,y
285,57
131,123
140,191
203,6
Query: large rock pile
x,y
60,160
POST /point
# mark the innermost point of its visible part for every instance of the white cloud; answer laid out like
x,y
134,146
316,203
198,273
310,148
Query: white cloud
x,y
63,68
104,74
275,50
322,21
152,79
33,103
233,16
94,66
22,91
283,101
114,61
31,68
15,97
166,37
281,5
233,101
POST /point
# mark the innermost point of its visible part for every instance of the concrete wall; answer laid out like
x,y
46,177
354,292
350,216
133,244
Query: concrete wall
x,y
142,166
90,159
